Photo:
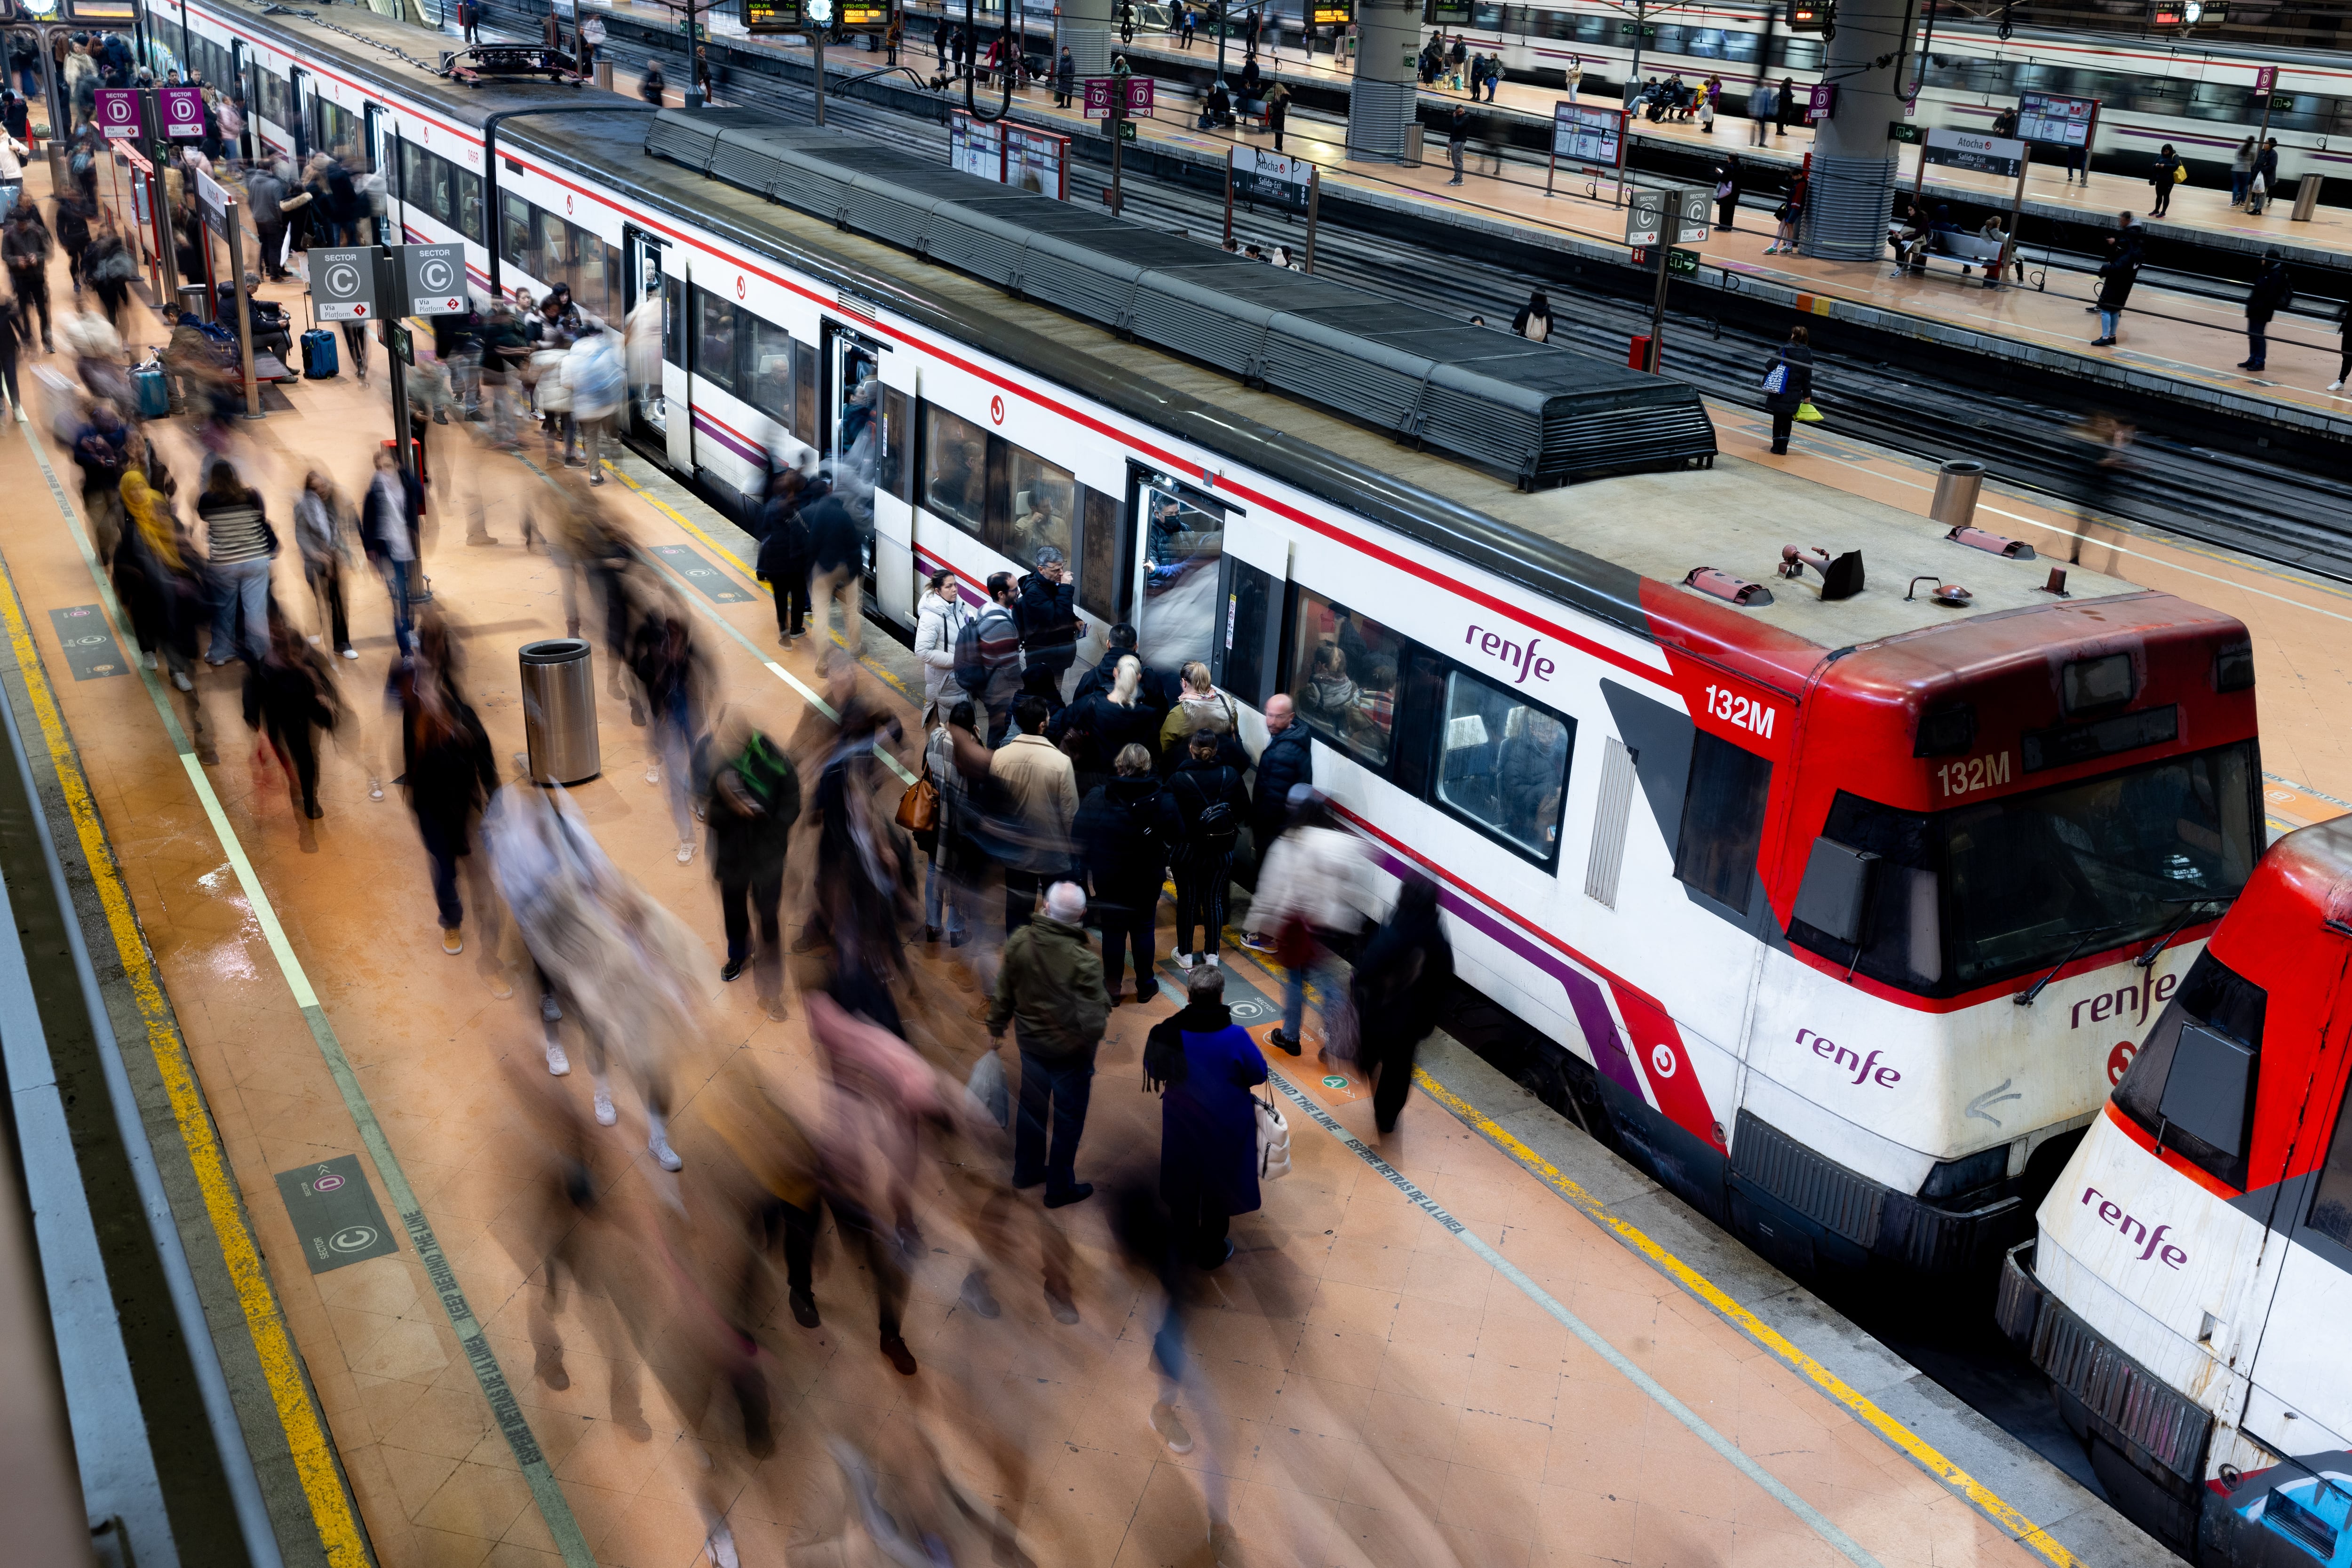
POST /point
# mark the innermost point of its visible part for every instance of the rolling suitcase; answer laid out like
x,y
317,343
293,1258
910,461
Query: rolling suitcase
x,y
318,353
153,390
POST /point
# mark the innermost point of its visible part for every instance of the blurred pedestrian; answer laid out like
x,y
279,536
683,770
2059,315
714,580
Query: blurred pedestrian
x,y
288,694
597,380
952,754
837,565
1043,794
1204,1066
783,559
1205,792
101,450
880,1092
1288,762
1400,983
238,546
150,566
1126,830
1050,987
388,533
1311,901
322,528
672,681
446,761
755,799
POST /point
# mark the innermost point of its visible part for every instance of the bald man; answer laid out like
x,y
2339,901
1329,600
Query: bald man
x,y
1288,759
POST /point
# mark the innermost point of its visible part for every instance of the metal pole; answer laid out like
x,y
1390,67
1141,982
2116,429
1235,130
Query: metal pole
x,y
817,36
1669,230
2016,214
1229,195
388,313
167,292
234,223
1118,141
1314,211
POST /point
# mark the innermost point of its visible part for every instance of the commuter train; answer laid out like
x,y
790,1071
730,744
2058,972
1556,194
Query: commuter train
x,y
2194,1268
1825,888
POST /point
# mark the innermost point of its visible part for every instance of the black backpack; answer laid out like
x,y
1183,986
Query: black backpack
x,y
1218,824
971,667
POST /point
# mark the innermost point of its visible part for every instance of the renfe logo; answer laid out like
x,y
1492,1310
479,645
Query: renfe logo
x,y
1864,1066
2127,999
1494,645
2112,1213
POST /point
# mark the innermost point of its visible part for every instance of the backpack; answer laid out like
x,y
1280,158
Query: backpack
x,y
1219,823
971,667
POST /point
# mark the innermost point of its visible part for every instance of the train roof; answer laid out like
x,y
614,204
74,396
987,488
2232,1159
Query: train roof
x,y
1592,545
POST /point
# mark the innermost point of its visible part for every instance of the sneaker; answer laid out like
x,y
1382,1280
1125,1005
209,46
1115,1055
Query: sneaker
x,y
665,1154
20,414
349,652
1064,1311
1144,994
180,678
977,1296
685,851
1184,960
375,790
1078,1193
1257,941
2333,386
1282,1042
605,1115
734,969
805,1310
597,479
1169,1429
452,942
1210,960
894,1349
558,1064
549,1011
314,639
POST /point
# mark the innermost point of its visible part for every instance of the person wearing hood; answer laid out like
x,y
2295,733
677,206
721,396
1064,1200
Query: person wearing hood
x,y
1534,320
1125,832
1204,1066
1401,982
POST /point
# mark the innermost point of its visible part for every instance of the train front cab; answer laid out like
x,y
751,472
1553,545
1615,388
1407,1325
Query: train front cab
x,y
2187,1291
2004,811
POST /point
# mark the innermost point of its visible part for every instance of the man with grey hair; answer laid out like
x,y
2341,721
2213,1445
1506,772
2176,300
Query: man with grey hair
x,y
1049,986
1047,613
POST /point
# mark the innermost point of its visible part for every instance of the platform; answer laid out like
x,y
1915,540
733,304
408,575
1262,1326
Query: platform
x,y
1378,1388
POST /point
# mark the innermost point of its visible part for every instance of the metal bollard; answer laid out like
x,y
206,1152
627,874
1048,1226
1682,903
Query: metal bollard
x,y
1957,484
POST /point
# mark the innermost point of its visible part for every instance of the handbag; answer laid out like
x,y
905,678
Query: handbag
x,y
1776,380
1807,414
986,1087
1273,1140
2180,174
918,808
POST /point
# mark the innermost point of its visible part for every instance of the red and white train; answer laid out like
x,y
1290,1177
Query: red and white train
x,y
1828,899
2194,1261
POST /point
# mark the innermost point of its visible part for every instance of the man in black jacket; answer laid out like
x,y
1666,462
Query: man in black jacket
x,y
1046,612
1125,831
785,551
755,799
2273,293
1158,690
1210,803
1288,760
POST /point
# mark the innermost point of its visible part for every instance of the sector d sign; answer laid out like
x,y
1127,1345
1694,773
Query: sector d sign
x,y
183,112
436,276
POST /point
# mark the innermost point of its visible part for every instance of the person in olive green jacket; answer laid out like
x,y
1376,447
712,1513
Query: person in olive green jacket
x,y
1050,988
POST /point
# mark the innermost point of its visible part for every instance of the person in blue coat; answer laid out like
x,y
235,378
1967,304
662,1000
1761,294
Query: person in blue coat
x,y
1204,1066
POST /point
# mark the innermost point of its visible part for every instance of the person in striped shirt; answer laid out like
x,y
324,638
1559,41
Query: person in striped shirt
x,y
239,544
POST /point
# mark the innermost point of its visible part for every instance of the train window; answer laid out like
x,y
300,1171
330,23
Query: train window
x,y
674,321
894,442
714,340
1503,764
1902,939
445,193
1343,677
1183,541
2331,1200
2218,999
1099,558
768,369
469,204
1723,820
414,188
955,469
804,392
1044,503
518,242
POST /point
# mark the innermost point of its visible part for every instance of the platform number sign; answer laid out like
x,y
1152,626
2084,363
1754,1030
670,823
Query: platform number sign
x,y
342,282
117,112
436,276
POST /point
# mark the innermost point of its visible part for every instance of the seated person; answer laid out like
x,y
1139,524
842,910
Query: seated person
x,y
1221,106
273,334
1531,765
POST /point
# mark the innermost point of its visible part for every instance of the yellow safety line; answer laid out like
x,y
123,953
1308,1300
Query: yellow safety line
x,y
1986,1502
338,1532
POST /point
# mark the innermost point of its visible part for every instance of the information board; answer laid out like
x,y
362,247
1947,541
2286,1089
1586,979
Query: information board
x,y
976,146
2047,120
1270,179
1587,133
771,15
1975,151
1038,161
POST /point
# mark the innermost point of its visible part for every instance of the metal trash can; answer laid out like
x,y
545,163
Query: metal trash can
x,y
1957,484
1412,146
559,711
2306,198
603,69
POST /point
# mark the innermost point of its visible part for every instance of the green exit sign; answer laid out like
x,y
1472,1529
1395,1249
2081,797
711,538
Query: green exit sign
x,y
1127,130
1905,130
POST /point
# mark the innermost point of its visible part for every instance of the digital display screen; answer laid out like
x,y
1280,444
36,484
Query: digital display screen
x,y
1331,13
864,16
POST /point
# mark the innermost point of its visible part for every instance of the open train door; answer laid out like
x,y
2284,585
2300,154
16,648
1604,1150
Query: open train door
x,y
375,133
851,439
643,280
1245,653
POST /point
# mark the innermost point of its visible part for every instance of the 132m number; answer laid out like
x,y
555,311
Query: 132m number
x,y
1975,773
1743,712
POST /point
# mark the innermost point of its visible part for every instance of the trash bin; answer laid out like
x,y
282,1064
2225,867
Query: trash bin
x,y
196,300
1957,484
559,711
1637,353
2306,198
605,74
1412,146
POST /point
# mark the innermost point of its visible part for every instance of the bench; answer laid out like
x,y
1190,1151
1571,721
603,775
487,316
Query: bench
x,y
1965,251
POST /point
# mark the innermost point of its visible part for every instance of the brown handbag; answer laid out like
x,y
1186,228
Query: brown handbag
x,y
918,808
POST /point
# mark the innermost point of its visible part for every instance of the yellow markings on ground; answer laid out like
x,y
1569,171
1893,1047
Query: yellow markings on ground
x,y
306,1438
2030,1535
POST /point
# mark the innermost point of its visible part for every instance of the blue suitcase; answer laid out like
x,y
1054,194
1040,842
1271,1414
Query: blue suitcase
x,y
318,353
153,390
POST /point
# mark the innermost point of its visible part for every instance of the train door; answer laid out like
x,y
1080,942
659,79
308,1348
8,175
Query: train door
x,y
850,436
298,114
1174,579
241,74
678,384
644,281
1246,648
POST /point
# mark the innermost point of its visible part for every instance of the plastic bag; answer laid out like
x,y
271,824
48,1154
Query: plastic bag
x,y
988,1090
1807,414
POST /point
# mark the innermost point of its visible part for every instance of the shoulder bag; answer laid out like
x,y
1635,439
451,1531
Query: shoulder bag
x,y
918,808
1273,1140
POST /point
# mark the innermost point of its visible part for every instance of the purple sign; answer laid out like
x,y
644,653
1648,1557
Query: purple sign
x,y
183,112
1138,96
1824,102
117,114
1100,90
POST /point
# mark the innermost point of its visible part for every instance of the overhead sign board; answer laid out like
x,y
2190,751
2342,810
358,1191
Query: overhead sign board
x,y
2047,120
342,282
2265,81
1975,151
435,279
771,15
117,114
1646,215
1587,133
1270,179
1100,90
182,113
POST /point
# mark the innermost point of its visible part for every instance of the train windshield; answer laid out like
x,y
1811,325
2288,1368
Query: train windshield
x,y
2006,887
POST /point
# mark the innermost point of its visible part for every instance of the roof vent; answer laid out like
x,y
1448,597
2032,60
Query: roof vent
x,y
496,62
1950,595
1991,544
1723,586
1841,578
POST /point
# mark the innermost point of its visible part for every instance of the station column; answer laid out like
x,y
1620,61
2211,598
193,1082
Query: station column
x,y
1089,31
1853,178
1386,90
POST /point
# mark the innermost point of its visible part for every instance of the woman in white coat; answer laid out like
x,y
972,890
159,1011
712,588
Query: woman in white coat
x,y
939,617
